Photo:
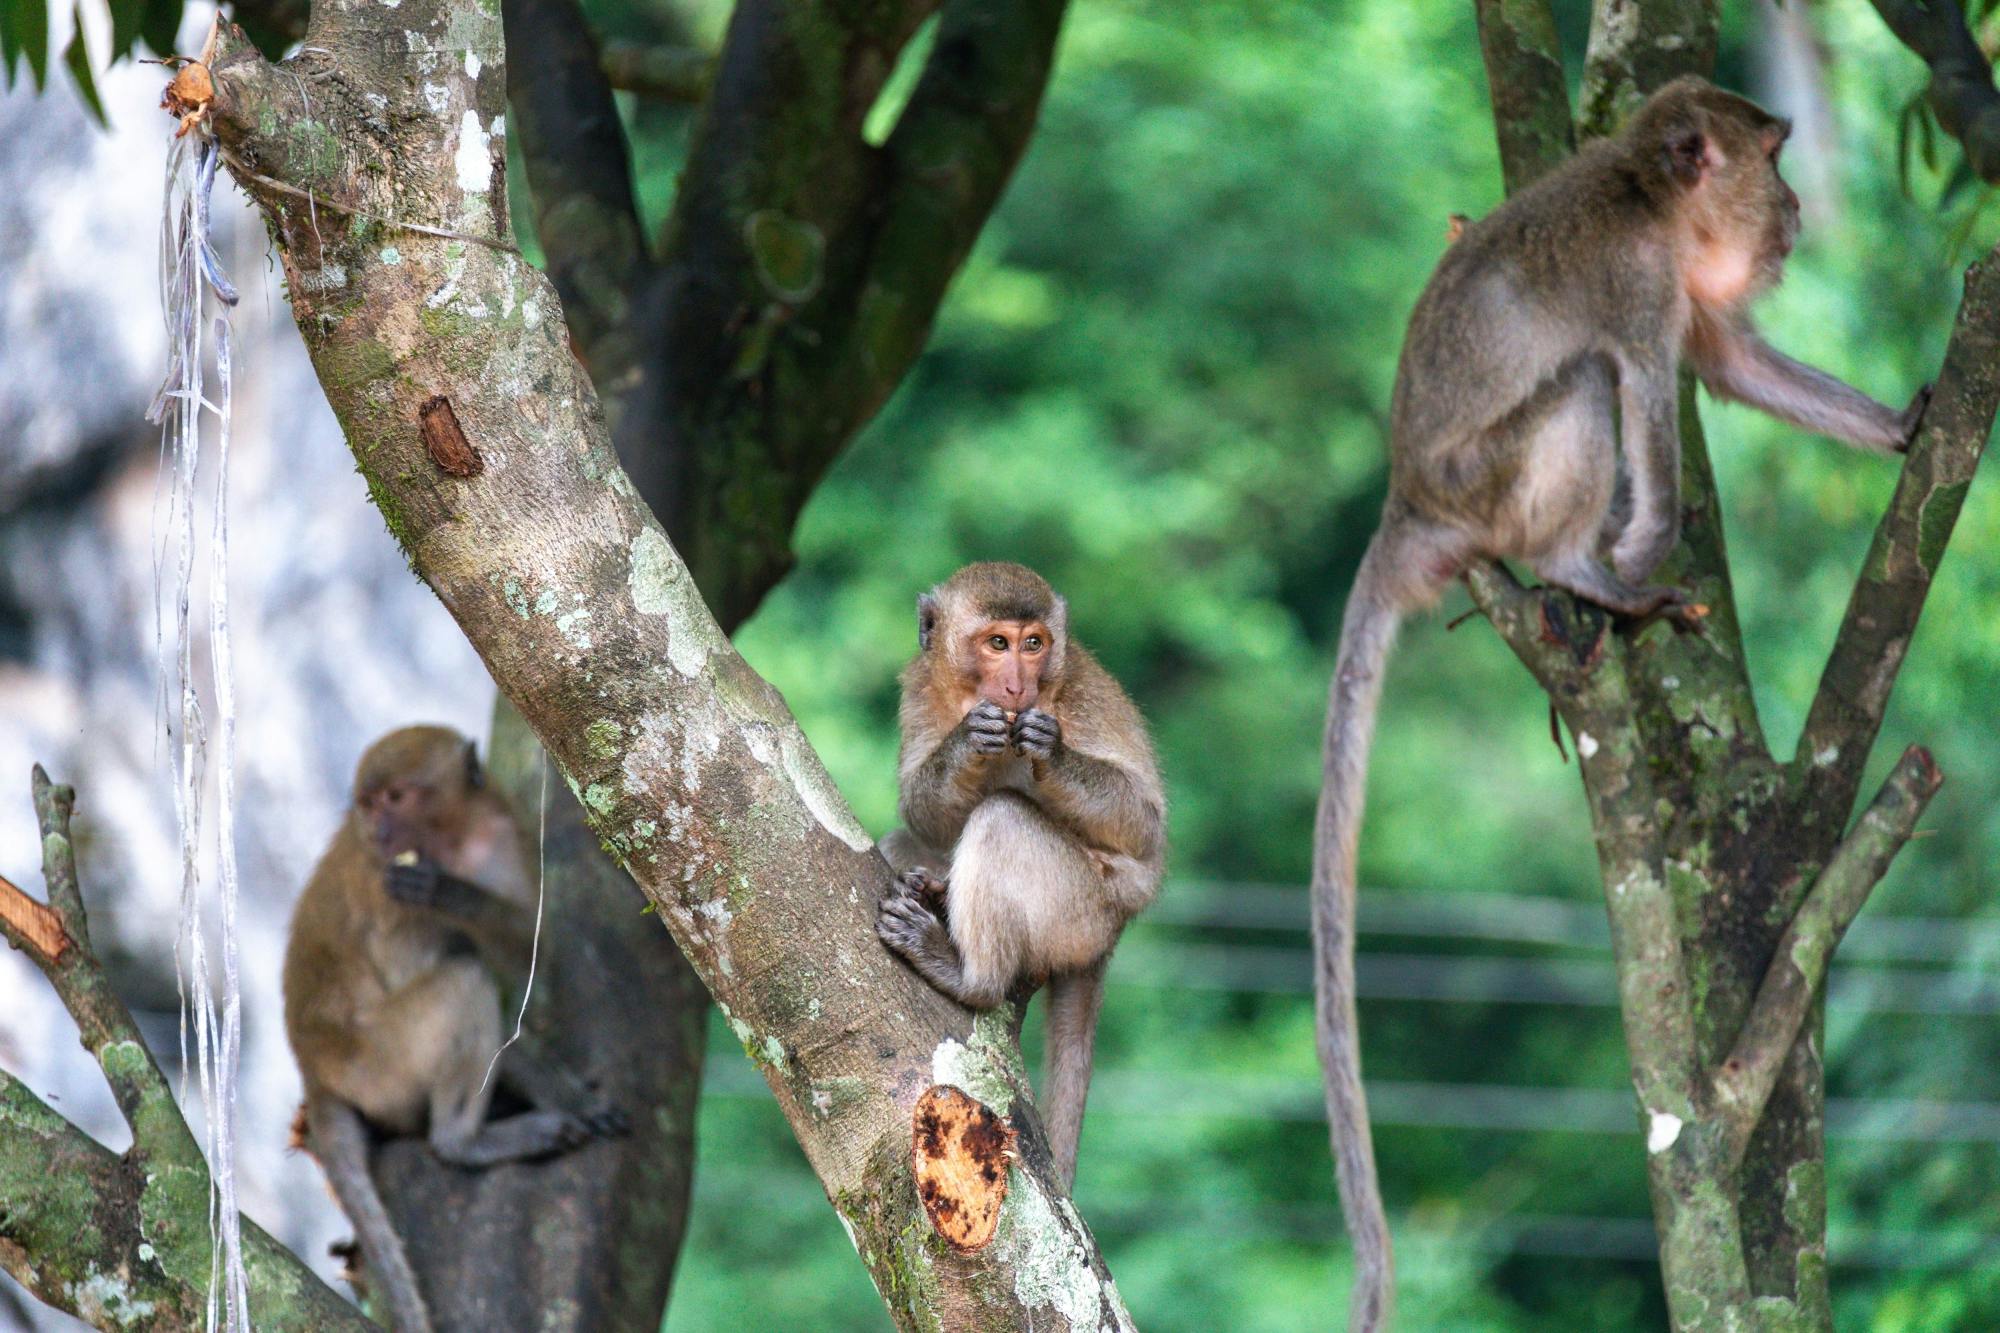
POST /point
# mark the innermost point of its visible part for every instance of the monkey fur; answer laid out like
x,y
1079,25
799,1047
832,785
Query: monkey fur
x,y
1536,417
392,1002
1034,817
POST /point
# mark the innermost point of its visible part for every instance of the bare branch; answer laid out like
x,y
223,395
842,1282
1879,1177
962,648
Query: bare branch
x,y
118,1240
1909,542
664,73
1744,1082
1524,79
1961,92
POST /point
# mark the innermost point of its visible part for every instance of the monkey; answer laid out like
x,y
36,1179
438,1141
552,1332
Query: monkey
x,y
1033,818
1570,306
422,901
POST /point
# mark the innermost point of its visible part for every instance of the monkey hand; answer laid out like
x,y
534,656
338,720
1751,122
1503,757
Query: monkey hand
x,y
1913,417
986,728
414,883
1036,734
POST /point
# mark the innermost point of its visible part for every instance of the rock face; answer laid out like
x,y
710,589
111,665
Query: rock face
x,y
334,640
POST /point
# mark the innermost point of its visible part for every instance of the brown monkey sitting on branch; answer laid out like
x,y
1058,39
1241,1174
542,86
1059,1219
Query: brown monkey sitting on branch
x,y
391,999
1028,778
1575,299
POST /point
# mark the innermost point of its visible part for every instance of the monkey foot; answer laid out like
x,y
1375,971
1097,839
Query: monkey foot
x,y
606,1122
930,890
905,921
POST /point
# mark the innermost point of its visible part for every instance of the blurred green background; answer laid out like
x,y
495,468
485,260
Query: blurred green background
x,y
1162,380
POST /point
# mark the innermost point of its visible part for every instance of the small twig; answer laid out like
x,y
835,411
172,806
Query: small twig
x,y
242,172
1743,1084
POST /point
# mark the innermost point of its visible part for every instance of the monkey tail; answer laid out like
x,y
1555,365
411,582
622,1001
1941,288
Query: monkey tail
x,y
1074,998
340,1140
1374,610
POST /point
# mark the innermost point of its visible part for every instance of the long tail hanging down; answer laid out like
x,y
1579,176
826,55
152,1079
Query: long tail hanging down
x,y
188,266
1366,635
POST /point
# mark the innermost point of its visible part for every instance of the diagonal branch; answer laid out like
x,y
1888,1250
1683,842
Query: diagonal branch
x,y
951,154
579,174
1961,92
803,266
1524,79
693,770
118,1241
1744,1082
102,1020
1909,542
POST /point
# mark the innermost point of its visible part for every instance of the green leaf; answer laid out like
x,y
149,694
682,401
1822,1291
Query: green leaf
x,y
160,25
10,43
128,19
31,36
77,57
1961,176
1903,146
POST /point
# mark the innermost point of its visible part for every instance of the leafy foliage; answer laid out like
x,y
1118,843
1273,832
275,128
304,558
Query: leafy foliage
x,y
27,37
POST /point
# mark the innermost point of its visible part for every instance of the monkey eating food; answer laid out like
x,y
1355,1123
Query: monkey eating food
x,y
392,999
1034,817
1536,417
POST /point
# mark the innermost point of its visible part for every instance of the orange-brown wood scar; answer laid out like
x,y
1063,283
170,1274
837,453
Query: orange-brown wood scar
x,y
35,922
960,1152
445,440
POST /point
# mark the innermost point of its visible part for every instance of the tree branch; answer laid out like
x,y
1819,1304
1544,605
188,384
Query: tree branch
x,y
1524,78
118,1240
586,215
1568,646
1635,46
1909,542
1745,1079
1961,93
803,266
692,769
664,73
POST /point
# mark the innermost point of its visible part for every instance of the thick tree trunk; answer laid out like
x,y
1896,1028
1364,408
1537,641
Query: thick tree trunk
x,y
414,307
1730,875
724,433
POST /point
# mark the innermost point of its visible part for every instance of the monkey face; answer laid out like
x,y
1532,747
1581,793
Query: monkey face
x,y
403,815
1009,657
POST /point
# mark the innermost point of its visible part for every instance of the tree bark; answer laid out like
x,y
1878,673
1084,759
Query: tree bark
x,y
1727,875
118,1240
689,765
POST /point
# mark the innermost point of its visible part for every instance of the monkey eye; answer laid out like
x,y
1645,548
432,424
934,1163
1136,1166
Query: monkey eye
x,y
998,643
1033,643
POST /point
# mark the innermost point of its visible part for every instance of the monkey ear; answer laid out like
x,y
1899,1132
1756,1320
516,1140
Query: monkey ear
x,y
927,615
475,776
1686,150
